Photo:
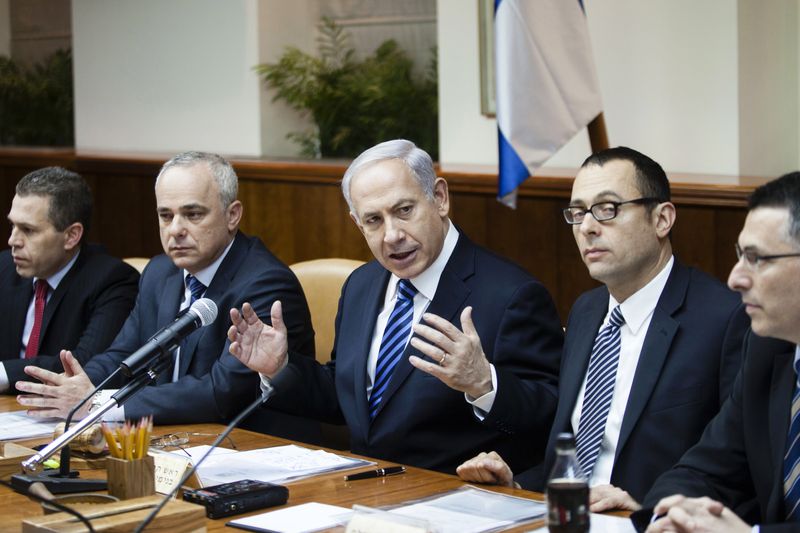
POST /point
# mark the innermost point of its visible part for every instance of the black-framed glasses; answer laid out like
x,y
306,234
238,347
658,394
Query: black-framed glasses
x,y
181,438
601,211
752,259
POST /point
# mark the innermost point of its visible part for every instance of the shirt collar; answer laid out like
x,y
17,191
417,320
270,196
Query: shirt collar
x,y
641,304
56,278
796,356
428,280
206,275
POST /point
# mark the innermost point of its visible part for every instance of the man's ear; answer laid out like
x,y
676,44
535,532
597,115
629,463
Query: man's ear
x,y
664,215
234,215
73,235
441,197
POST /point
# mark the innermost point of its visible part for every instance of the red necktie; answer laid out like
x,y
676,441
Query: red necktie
x,y
40,298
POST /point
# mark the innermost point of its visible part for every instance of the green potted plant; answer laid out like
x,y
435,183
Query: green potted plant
x,y
355,104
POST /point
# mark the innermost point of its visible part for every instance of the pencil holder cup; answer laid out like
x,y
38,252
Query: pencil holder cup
x,y
131,478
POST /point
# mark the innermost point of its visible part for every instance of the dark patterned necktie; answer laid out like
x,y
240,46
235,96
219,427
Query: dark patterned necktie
x,y
600,380
791,461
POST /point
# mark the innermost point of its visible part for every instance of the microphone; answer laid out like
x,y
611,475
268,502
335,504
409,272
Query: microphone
x,y
202,313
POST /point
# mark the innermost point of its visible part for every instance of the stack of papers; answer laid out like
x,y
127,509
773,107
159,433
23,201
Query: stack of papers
x,y
464,510
472,510
18,425
274,465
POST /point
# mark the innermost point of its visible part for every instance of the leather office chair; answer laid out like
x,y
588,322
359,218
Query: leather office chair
x,y
137,262
322,281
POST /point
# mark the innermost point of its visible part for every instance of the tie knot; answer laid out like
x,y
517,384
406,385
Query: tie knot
x,y
406,290
616,320
41,287
196,287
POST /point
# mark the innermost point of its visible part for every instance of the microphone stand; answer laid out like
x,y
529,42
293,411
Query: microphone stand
x,y
32,467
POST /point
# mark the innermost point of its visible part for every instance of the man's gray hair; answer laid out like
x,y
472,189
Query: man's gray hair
x,y
416,159
224,175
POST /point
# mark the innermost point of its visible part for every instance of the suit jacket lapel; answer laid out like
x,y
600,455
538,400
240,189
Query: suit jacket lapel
x,y
780,412
172,295
219,284
451,292
656,346
21,295
582,334
58,295
360,342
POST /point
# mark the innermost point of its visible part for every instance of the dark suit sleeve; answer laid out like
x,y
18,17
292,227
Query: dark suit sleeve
x,y
314,393
103,312
732,351
526,354
717,466
217,386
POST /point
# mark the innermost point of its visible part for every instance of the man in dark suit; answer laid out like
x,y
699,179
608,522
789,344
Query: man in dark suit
x,y
56,291
206,256
679,346
750,449
487,334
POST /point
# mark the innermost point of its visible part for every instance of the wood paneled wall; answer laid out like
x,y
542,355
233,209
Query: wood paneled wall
x,y
298,210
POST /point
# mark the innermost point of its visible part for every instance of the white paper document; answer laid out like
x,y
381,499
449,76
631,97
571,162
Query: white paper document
x,y
297,519
472,510
18,425
275,465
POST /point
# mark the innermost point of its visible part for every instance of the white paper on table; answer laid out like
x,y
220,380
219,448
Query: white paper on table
x,y
18,425
196,452
298,519
470,509
448,521
274,465
605,523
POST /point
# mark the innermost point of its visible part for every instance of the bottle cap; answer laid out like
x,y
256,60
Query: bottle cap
x,y
565,442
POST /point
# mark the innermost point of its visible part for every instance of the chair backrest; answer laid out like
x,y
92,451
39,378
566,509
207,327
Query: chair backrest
x,y
137,262
322,281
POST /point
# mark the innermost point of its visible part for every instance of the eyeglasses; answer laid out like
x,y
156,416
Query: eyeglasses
x,y
601,211
752,259
181,439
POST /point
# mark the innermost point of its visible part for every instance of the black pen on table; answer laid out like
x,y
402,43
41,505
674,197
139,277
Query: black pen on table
x,y
380,472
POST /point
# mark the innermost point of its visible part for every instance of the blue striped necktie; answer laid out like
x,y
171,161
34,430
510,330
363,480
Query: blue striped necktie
x,y
600,380
196,287
393,342
791,461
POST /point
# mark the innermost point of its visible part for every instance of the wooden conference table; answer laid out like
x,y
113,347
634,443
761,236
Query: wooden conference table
x,y
328,488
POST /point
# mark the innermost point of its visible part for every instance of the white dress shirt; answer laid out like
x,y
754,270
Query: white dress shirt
x,y
638,311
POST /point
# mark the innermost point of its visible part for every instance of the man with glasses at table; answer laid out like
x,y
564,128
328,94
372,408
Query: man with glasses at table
x,y
650,356
752,448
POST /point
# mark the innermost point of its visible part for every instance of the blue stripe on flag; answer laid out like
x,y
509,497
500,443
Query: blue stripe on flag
x,y
512,170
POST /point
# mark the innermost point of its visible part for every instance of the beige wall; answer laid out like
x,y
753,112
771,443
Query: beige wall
x,y
155,75
768,86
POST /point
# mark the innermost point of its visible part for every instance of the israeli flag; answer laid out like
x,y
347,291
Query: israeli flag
x,y
547,88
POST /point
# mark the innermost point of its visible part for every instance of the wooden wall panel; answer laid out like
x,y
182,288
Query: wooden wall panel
x,y
298,210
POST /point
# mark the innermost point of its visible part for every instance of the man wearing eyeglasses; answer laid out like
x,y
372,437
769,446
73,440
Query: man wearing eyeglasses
x,y
649,357
752,448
